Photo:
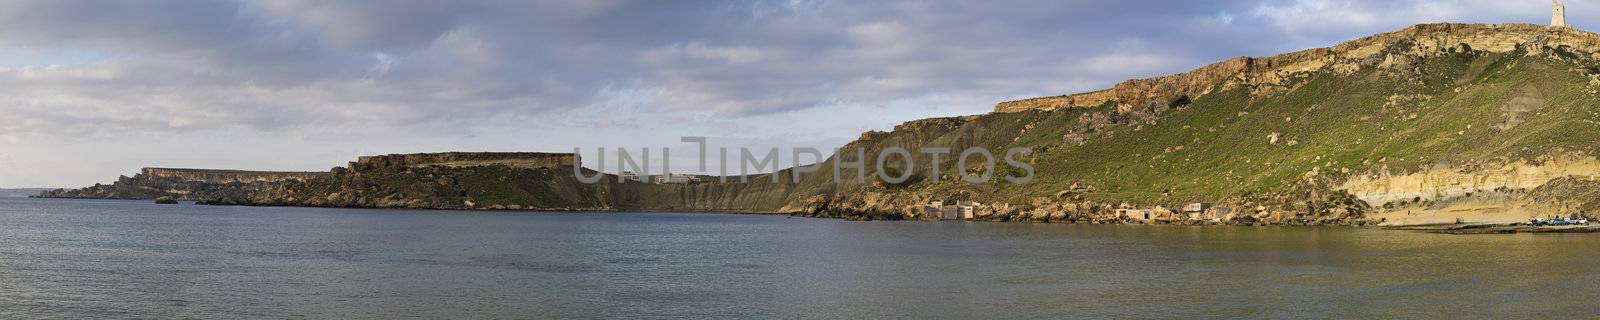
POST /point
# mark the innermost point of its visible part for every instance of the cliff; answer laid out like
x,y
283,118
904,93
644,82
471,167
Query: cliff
x,y
226,176
504,181
183,184
1274,73
1432,123
238,185
465,159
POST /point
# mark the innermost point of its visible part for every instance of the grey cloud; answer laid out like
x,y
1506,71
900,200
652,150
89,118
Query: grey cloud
x,y
435,61
398,70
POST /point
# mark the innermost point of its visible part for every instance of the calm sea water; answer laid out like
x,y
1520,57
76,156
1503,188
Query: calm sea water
x,y
84,259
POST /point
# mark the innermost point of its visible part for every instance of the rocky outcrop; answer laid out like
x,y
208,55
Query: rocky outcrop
x,y
465,159
507,181
497,186
226,176
1493,192
1274,73
184,184
1444,181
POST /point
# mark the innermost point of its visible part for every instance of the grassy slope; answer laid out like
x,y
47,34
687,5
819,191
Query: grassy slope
x,y
1212,149
1341,123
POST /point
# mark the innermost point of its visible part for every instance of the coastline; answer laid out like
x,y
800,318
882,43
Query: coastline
x,y
1439,228
1463,229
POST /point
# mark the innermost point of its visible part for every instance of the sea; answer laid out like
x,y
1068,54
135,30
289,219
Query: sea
x,y
84,259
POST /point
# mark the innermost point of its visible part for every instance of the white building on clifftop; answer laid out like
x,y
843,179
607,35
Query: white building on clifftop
x,y
1558,14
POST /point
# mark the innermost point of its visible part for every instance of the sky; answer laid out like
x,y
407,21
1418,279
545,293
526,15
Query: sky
x,y
90,90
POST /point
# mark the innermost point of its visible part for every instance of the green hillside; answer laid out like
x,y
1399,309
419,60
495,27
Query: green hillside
x,y
1479,107
1459,108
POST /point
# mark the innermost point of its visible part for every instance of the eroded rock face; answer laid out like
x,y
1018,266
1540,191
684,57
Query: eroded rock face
x,y
466,159
227,176
1446,181
494,187
1394,51
257,187
1495,192
184,184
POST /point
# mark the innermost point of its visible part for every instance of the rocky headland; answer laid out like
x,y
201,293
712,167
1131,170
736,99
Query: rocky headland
x,y
183,184
1434,123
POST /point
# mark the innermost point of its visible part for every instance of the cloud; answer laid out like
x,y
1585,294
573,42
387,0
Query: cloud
x,y
1337,19
103,79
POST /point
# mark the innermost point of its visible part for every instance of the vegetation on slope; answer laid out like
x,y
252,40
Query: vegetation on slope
x,y
1462,108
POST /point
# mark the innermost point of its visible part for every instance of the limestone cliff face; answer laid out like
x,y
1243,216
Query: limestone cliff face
x,y
465,159
1499,193
184,184
1269,74
506,181
499,187
211,184
450,180
1444,182
226,176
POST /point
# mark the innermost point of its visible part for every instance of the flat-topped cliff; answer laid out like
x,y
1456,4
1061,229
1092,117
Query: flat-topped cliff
x,y
1275,73
210,184
227,176
185,184
465,159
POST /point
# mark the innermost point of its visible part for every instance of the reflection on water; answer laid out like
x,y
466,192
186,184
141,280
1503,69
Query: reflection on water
x,y
78,259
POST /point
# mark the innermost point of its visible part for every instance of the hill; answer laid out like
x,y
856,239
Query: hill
x,y
1431,123
1435,117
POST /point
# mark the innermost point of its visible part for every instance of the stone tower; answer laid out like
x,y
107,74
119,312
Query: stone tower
x,y
1558,14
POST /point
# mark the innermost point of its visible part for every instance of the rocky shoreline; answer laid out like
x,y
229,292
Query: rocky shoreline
x,y
1016,216
1510,228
